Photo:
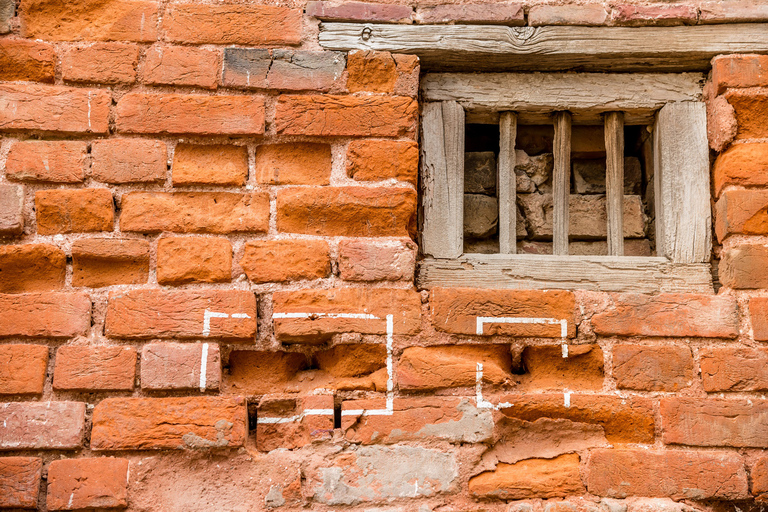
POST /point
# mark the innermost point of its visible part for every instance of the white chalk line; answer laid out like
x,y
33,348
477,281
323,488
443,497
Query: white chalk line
x,y
203,366
208,314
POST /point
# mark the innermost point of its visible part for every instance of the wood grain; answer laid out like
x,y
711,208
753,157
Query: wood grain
x,y
507,183
561,183
614,181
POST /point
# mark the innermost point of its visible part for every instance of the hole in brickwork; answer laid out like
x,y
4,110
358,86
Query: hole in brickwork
x,y
337,415
252,417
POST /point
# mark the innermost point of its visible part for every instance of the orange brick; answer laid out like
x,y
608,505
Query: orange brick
x,y
744,267
106,63
362,116
751,108
20,481
181,65
377,160
210,165
53,108
31,268
392,260
714,422
295,163
101,368
359,11
28,61
739,71
267,261
659,15
42,425
22,370
128,160
195,212
101,262
652,368
742,164
371,71
741,212
734,368
52,161
233,24
758,313
54,315
89,483
194,260
73,211
11,209
347,211
166,366
139,112
294,434
259,373
531,478
547,369
759,476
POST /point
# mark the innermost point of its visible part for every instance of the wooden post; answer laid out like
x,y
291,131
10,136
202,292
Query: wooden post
x,y
507,183
614,181
561,183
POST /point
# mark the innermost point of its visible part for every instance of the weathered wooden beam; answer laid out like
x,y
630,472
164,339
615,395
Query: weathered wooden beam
x,y
561,183
507,184
488,47
614,181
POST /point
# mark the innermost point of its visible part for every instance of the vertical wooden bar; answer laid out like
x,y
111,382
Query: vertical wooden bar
x,y
561,183
507,183
614,181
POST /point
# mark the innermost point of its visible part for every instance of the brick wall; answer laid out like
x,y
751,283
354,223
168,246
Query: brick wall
x,y
207,261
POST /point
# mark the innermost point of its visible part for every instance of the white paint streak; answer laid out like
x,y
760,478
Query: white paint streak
x,y
89,110
567,398
565,350
482,320
482,403
207,315
203,366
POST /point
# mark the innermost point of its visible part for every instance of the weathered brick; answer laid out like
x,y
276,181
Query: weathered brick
x,y
744,267
232,24
661,15
181,65
266,261
210,165
355,366
246,68
295,163
347,211
195,212
93,20
166,366
11,209
287,70
734,369
392,260
449,366
404,305
330,115
759,476
741,212
78,484
193,260
74,211
588,15
377,160
101,262
53,161
714,422
742,164
139,112
739,71
168,423
31,268
456,310
531,478
28,61
546,368
751,109
22,369
19,481
53,108
107,63
359,11
758,313
260,373
735,11
652,368
41,425
7,11
293,434
181,314
54,315
511,14
671,314
100,368
721,121
674,474
128,160
371,71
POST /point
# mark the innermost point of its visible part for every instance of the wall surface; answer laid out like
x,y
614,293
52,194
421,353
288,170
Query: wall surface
x,y
207,296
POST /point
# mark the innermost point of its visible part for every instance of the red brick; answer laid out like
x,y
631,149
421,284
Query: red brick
x,y
41,425
180,65
652,368
53,315
11,209
93,20
734,11
624,420
100,368
77,484
744,267
392,260
546,368
74,211
31,268
166,366
289,70
739,71
259,373
194,260
404,305
721,121
758,312
456,310
54,108
531,478
23,369
661,15
295,163
355,365
759,476
511,14
101,262
293,434
233,24
194,114
195,212
347,211
359,11
210,165
674,474
751,109
180,314
671,314
371,71
587,15
734,369
378,160
741,212
28,61
19,481
329,115
742,164
128,160
53,161
106,63
168,423
266,261
714,422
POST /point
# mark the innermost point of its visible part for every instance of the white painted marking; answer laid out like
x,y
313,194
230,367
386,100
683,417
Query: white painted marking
x,y
298,417
480,402
565,350
358,316
89,110
482,320
239,315
208,314
203,366
567,398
